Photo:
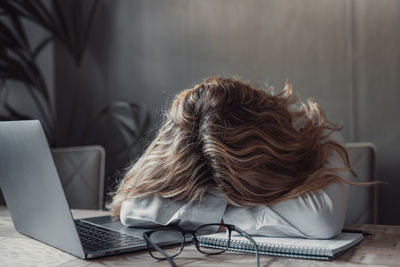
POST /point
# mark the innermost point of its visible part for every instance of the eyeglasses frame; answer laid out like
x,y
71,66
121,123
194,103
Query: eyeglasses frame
x,y
229,227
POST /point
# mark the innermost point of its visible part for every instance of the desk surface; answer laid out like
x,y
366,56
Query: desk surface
x,y
380,249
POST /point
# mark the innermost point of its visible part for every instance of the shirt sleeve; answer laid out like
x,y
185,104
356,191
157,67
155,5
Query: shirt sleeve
x,y
317,214
155,210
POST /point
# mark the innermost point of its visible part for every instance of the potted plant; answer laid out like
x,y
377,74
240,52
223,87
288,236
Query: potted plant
x,y
18,63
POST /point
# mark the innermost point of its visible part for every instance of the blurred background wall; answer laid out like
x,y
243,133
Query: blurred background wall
x,y
343,53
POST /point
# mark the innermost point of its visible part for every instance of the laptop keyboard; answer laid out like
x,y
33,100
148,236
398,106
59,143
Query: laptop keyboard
x,y
98,238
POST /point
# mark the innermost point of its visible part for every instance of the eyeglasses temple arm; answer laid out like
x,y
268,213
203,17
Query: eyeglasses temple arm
x,y
243,233
170,260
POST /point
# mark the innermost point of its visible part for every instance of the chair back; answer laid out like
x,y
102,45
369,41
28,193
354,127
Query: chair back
x,y
362,201
81,170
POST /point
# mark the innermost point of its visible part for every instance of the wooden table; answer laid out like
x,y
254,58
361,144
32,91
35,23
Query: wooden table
x,y
382,248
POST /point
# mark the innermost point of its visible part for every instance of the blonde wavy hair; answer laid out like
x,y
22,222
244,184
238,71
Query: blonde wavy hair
x,y
227,135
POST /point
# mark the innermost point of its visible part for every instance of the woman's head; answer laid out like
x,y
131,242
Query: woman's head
x,y
227,135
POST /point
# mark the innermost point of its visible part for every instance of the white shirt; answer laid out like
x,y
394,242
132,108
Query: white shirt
x,y
317,214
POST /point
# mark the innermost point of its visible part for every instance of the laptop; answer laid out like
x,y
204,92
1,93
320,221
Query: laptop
x,y
37,203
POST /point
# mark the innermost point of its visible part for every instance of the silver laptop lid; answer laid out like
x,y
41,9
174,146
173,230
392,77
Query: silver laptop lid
x,y
32,188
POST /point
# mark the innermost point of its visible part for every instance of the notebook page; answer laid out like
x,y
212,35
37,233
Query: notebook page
x,y
341,242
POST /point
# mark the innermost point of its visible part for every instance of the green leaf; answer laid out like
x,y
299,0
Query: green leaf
x,y
47,14
128,120
7,37
31,71
63,29
41,46
16,23
30,10
14,70
86,30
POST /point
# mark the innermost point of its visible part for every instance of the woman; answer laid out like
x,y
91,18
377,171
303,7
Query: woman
x,y
227,151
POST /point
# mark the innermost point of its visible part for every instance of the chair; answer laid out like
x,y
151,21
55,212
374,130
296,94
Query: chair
x,y
362,201
81,170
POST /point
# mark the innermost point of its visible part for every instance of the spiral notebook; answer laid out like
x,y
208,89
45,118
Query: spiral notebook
x,y
320,249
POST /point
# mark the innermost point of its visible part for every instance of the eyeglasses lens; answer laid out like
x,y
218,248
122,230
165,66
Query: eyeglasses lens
x,y
169,240
205,246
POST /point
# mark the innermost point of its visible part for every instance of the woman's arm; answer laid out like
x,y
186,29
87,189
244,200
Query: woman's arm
x,y
155,210
317,214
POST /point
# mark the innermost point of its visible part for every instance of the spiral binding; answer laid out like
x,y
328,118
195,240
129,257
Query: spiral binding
x,y
292,251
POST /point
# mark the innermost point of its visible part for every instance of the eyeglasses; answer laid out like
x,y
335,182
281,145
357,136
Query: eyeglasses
x,y
169,235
